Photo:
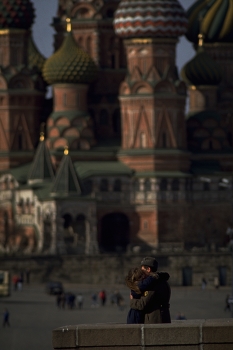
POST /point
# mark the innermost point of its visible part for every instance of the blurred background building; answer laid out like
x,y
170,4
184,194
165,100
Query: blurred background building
x,y
113,163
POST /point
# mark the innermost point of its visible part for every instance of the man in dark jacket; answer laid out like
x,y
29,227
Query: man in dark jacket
x,y
154,302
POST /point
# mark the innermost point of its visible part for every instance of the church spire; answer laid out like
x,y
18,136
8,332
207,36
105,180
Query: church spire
x,y
66,180
41,168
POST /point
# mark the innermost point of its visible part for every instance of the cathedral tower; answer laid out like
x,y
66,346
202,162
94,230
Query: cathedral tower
x,y
92,27
21,86
152,97
70,70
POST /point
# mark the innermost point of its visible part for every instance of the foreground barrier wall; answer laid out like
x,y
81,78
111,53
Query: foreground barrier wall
x,y
179,335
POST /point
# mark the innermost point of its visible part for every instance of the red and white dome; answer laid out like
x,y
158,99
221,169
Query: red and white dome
x,y
150,18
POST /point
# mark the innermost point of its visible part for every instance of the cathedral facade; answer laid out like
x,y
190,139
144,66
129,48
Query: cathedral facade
x,y
115,164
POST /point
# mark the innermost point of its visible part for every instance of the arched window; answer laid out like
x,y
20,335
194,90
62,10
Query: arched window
x,y
175,185
147,185
188,184
67,220
87,187
104,185
103,117
117,121
136,185
163,185
80,229
117,185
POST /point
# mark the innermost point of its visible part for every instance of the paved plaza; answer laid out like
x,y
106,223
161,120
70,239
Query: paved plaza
x,y
34,314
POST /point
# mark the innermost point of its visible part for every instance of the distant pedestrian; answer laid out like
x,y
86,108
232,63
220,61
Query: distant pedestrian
x,y
15,279
181,316
94,300
72,298
20,283
103,297
203,283
63,301
6,316
216,282
58,300
27,273
80,301
227,304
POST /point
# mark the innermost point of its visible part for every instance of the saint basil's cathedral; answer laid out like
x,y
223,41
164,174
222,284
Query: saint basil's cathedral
x,y
115,163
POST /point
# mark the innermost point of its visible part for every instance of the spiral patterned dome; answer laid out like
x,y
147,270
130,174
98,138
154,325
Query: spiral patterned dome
x,y
157,18
211,18
16,14
201,70
70,64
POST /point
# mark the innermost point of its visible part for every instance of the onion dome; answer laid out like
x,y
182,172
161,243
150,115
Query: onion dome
x,y
16,14
202,69
70,64
213,19
137,18
35,58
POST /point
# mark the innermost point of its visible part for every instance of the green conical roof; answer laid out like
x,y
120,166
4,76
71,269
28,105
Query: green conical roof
x,y
213,18
41,168
66,181
35,58
201,70
70,64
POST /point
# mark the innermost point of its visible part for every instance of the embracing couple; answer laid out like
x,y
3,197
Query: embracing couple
x,y
150,293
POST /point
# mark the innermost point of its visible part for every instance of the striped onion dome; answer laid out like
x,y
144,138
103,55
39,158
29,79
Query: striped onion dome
x,y
201,70
212,18
70,64
143,18
16,14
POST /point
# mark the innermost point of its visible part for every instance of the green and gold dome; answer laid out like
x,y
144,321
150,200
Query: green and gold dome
x,y
213,18
70,64
202,69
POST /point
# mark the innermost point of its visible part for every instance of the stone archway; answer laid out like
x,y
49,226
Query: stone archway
x,y
68,229
47,241
114,233
80,233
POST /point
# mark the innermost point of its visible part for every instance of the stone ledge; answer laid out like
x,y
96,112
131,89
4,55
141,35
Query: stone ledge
x,y
189,334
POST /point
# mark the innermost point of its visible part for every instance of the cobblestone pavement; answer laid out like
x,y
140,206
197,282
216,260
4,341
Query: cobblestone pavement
x,y
33,313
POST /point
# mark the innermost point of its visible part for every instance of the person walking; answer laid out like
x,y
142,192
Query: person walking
x,y
103,297
203,283
216,282
155,301
227,304
6,316
80,301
